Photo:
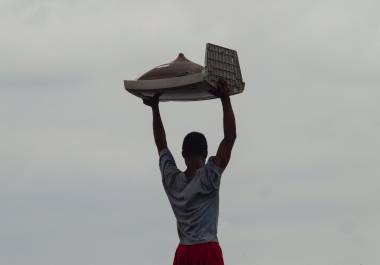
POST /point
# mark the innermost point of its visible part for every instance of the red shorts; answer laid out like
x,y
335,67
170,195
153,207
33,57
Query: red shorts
x,y
208,253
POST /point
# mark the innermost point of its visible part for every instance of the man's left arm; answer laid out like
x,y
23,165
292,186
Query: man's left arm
x,y
158,127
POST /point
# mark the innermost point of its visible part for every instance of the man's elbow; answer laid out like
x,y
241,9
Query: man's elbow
x,y
230,138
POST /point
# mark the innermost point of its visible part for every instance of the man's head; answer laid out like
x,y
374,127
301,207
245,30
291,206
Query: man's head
x,y
194,145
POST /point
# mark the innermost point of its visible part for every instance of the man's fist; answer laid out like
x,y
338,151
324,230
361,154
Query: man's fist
x,y
153,101
221,90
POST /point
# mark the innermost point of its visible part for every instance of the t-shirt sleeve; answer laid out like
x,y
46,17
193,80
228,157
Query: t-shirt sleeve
x,y
213,175
168,166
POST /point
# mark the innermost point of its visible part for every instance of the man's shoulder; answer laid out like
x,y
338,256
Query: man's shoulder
x,y
164,151
211,166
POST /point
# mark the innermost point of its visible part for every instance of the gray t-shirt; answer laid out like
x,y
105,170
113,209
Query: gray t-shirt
x,y
195,201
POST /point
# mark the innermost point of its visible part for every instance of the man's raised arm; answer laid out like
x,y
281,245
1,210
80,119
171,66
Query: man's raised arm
x,y
229,126
158,127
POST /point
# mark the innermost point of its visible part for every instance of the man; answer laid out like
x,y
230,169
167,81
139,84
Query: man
x,y
194,193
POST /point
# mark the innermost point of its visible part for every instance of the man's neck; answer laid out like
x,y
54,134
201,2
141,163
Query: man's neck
x,y
193,165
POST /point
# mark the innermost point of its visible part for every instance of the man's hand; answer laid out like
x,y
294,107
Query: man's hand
x,y
153,101
221,90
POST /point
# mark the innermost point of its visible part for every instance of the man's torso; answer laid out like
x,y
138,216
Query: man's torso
x,y
195,200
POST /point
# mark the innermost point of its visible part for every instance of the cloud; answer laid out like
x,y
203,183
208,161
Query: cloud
x,y
79,180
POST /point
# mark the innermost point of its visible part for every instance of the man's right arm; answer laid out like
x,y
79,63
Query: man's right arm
x,y
229,127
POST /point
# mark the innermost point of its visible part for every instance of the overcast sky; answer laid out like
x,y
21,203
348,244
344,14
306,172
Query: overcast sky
x,y
79,177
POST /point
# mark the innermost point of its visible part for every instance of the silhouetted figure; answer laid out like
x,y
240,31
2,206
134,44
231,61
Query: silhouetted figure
x,y
194,194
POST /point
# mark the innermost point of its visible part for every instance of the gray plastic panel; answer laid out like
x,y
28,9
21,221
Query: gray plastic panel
x,y
221,62
184,88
